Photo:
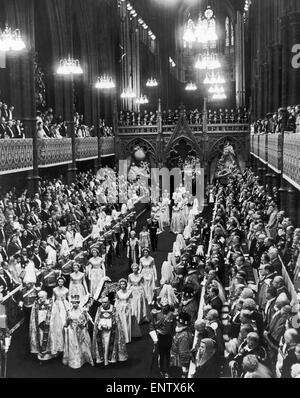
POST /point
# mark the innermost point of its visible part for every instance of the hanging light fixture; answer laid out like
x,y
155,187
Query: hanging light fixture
x,y
216,89
152,82
128,94
142,100
219,96
191,87
11,40
203,31
105,82
214,79
208,61
69,66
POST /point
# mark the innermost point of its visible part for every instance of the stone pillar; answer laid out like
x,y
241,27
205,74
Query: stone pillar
x,y
294,74
269,181
284,21
240,60
292,204
283,196
21,76
276,81
275,180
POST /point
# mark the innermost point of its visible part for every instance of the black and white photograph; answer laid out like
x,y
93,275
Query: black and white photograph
x,y
149,192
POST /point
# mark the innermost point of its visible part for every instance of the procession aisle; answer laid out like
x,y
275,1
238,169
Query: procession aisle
x,y
23,365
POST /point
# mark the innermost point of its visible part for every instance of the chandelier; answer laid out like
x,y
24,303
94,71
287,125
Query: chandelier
x,y
105,82
208,61
219,96
11,40
128,94
216,90
214,79
191,87
142,100
152,82
69,66
203,31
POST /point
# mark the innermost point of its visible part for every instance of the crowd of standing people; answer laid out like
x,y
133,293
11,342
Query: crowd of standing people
x,y
221,307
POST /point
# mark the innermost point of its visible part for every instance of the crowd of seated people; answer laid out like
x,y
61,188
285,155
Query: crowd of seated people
x,y
10,127
49,126
171,117
272,123
42,234
248,310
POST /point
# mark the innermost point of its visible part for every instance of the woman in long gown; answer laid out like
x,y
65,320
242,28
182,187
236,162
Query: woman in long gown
x,y
149,273
77,350
133,249
59,315
164,218
138,301
78,284
123,308
167,270
145,238
178,222
95,271
180,242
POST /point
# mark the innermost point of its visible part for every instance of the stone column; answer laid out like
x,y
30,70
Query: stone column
x,y
283,192
292,204
276,80
275,180
240,60
284,21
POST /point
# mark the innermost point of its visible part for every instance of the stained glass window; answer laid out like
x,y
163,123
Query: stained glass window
x,y
232,34
227,32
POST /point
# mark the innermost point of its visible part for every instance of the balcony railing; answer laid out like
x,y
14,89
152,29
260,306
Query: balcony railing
x,y
87,148
291,157
107,146
274,150
17,155
54,151
196,128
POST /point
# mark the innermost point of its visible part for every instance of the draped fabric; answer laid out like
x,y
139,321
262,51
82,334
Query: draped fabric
x,y
40,330
77,350
108,345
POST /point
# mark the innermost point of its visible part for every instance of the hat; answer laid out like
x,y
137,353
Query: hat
x,y
193,265
123,280
75,299
42,293
62,278
188,292
164,301
184,318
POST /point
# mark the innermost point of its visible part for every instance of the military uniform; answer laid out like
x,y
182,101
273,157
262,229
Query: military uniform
x,y
164,326
48,280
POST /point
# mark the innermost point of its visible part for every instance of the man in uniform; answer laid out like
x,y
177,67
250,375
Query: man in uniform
x,y
162,329
153,227
48,278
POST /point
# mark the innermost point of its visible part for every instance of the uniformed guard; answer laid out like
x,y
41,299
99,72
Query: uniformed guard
x,y
48,279
162,329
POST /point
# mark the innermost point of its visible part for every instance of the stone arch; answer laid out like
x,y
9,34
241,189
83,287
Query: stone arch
x,y
216,150
147,147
